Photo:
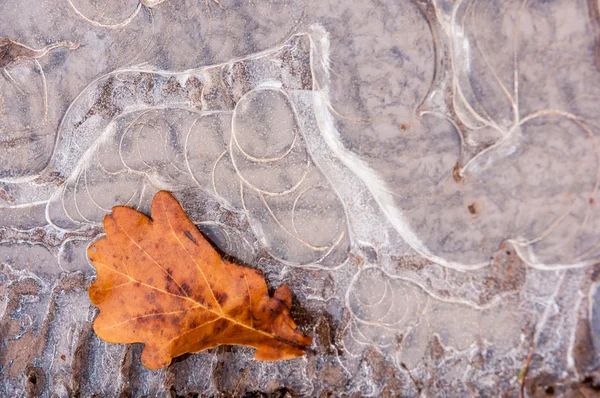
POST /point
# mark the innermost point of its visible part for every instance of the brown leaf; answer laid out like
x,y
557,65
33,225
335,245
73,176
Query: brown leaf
x,y
159,282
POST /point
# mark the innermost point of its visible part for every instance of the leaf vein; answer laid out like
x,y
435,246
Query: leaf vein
x,y
191,330
193,259
146,316
150,257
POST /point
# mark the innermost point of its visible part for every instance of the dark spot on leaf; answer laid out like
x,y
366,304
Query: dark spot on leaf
x,y
280,302
221,297
97,295
190,237
151,297
237,311
172,287
186,288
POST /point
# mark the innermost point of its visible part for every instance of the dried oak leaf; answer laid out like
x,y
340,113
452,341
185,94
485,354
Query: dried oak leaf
x,y
159,282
